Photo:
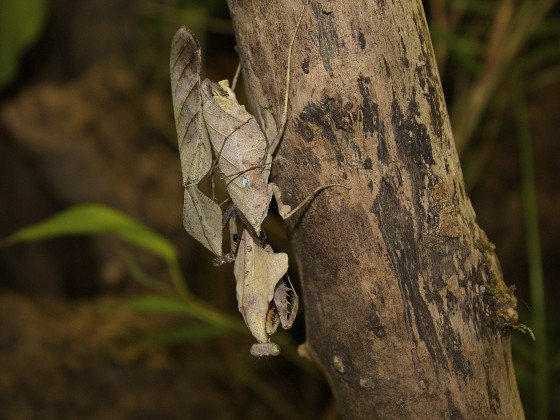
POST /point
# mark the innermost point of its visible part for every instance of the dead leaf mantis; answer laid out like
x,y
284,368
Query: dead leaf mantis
x,y
209,118
258,271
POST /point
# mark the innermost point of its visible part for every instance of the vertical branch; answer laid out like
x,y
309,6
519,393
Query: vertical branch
x,y
406,309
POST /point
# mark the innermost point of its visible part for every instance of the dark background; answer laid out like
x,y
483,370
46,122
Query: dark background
x,y
87,117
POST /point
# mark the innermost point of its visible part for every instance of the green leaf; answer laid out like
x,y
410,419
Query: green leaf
x,y
88,219
21,22
191,332
157,304
189,306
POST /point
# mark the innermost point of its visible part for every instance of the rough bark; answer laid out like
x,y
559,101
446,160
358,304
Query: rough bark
x,y
405,306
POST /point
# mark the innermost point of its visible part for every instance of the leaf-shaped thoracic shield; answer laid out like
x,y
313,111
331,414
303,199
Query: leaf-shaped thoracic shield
x,y
257,272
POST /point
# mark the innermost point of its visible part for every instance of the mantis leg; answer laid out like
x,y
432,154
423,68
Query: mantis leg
x,y
285,210
234,238
230,216
286,302
235,77
231,212
284,119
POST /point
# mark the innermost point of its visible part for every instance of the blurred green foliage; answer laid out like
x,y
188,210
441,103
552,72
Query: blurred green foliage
x,y
96,219
21,23
88,219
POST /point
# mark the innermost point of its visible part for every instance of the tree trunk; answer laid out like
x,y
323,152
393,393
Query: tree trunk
x,y
406,309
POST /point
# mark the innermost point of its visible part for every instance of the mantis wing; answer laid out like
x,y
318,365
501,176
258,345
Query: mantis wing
x,y
194,147
202,217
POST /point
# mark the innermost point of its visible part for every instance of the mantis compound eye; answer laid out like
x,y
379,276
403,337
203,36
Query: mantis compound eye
x,y
265,349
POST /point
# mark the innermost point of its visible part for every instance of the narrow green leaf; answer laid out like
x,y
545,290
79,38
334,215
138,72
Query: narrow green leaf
x,y
157,304
88,219
183,333
189,306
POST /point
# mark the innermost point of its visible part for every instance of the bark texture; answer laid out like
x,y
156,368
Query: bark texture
x,y
406,309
